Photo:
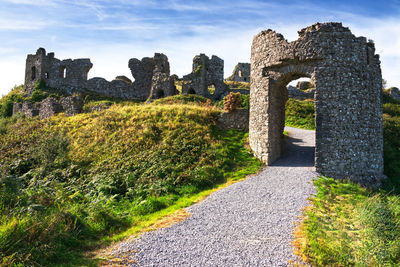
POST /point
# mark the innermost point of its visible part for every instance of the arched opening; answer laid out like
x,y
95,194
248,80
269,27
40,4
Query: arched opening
x,y
291,108
160,94
240,73
46,75
191,91
33,73
211,89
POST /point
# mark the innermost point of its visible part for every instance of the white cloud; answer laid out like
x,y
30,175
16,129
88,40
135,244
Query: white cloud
x,y
33,2
12,24
142,35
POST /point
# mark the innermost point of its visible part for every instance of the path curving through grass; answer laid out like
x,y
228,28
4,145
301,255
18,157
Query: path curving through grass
x,y
247,224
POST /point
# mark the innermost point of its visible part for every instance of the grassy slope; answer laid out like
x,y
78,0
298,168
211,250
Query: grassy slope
x,y
68,183
347,224
300,114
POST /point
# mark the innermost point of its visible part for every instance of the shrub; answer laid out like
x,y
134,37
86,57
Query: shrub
x,y
232,102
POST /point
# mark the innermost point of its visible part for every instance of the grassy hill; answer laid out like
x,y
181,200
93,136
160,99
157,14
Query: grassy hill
x,y
68,184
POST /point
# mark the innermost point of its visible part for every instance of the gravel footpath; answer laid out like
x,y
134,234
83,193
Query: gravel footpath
x,y
249,223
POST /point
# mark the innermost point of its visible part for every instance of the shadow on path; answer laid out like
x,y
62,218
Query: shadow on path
x,y
297,154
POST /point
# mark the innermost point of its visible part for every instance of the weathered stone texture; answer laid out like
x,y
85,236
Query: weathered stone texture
x,y
205,73
241,73
72,105
348,101
299,94
29,109
49,107
394,92
303,85
67,75
237,119
70,76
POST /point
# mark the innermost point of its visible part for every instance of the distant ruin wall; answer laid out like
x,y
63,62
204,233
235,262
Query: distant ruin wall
x,y
70,76
206,73
348,98
50,106
241,73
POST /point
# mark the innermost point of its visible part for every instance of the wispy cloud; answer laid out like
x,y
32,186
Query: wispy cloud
x,y
111,32
33,2
12,24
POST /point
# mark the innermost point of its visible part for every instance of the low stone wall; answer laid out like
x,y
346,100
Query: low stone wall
x,y
237,119
299,94
50,106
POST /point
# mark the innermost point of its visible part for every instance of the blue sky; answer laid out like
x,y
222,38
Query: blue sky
x,y
111,32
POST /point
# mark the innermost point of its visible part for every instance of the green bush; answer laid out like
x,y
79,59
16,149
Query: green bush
x,y
71,181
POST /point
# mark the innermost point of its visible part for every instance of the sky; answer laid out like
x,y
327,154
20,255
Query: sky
x,y
110,32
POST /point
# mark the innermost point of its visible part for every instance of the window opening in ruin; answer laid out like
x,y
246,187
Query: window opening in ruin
x,y
46,75
211,89
240,73
245,79
33,72
160,94
191,91
63,72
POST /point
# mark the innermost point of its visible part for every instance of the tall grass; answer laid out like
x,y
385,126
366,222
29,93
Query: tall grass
x,y
348,225
68,183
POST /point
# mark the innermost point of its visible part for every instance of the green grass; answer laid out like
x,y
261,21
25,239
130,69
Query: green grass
x,y
300,114
238,85
347,225
69,184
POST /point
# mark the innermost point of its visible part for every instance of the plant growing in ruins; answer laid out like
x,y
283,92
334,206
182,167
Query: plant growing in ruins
x,y
232,102
198,69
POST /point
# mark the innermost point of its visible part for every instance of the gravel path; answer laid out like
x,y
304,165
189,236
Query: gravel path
x,y
247,224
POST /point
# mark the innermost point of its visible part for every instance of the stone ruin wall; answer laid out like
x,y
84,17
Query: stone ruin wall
x,y
206,72
70,105
348,98
241,73
152,77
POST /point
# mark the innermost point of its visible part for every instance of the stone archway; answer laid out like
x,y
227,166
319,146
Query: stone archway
x,y
348,105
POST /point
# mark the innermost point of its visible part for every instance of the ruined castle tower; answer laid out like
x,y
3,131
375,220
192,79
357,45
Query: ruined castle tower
x,y
205,73
67,75
241,73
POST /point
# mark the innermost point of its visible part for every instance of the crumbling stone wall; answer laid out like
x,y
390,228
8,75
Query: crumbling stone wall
x,y
348,98
161,83
67,75
241,73
237,119
300,94
70,76
205,73
28,108
50,106
394,92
